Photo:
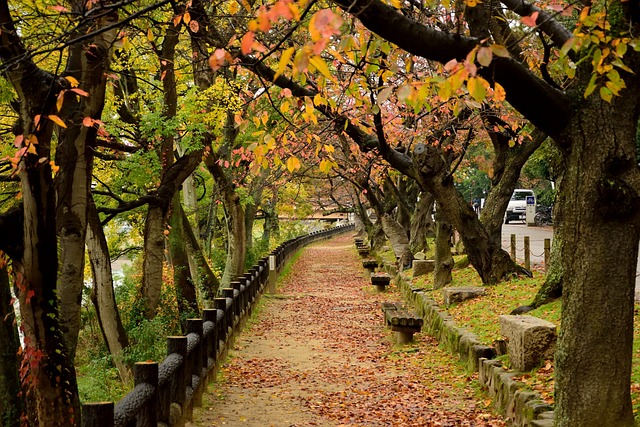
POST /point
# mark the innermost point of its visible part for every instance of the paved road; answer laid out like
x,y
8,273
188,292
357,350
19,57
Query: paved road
x,y
536,237
536,240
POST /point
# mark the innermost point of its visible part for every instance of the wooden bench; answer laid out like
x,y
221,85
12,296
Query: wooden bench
x,y
402,321
380,281
370,265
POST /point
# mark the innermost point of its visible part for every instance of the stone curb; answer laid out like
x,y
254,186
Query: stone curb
x,y
521,408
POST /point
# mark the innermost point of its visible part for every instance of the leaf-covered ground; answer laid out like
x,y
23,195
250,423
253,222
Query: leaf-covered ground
x,y
318,355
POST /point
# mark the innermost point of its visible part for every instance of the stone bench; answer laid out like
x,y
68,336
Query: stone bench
x,y
370,265
380,281
529,340
402,321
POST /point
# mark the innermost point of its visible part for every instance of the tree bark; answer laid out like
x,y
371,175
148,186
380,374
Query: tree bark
x,y
103,296
88,62
443,258
236,244
182,280
154,227
11,405
399,241
205,278
422,223
598,215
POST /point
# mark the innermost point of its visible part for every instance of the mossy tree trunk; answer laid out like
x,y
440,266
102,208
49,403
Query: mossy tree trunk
x,y
443,258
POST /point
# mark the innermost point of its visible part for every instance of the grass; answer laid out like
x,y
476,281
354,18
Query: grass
x,y
480,316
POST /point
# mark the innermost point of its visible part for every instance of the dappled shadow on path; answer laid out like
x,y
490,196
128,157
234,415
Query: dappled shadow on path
x,y
318,355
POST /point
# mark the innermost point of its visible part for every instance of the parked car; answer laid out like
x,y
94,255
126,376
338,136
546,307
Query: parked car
x,y
517,208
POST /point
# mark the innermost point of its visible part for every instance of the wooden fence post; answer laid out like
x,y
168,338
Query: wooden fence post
x,y
527,253
97,414
147,373
547,253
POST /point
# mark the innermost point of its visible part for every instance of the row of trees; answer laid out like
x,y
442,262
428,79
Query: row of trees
x,y
117,106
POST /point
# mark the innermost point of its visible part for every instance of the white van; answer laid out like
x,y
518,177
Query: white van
x,y
517,208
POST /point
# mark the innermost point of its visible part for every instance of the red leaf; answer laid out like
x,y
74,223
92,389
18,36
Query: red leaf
x,y
530,20
194,26
18,141
79,92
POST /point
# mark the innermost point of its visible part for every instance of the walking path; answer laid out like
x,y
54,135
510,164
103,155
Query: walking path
x,y
318,355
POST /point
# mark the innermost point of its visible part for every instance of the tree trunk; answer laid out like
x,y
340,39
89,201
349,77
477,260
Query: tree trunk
x,y
236,245
399,241
11,405
485,253
51,379
249,217
598,216
182,280
102,294
153,259
443,258
205,278
422,223
88,62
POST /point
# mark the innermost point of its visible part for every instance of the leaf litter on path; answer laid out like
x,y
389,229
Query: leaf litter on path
x,y
319,355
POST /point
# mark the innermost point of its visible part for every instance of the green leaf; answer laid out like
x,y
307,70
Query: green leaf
x,y
476,88
591,86
606,94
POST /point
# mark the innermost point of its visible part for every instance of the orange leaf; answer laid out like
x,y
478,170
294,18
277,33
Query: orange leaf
x,y
176,20
186,18
247,42
57,120
88,122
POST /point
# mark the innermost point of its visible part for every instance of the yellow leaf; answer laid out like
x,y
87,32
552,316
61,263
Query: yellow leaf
x,y
57,120
32,149
284,61
60,100
293,163
476,88
150,35
284,107
319,100
72,81
33,140
606,94
233,8
396,4
321,66
325,166
499,94
329,148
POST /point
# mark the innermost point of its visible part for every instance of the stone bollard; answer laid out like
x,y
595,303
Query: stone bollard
x,y
530,340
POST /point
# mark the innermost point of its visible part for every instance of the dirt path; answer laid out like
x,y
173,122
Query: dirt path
x,y
318,355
